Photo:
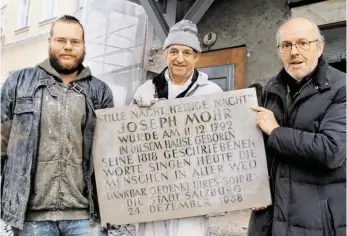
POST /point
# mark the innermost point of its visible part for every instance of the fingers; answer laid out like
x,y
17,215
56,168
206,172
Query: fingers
x,y
260,109
261,116
258,208
141,102
153,101
216,214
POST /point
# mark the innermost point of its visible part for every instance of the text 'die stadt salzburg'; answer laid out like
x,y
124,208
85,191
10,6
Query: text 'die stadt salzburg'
x,y
180,158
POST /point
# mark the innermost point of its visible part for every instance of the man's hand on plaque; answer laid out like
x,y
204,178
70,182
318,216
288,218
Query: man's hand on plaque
x,y
258,208
266,120
216,214
144,102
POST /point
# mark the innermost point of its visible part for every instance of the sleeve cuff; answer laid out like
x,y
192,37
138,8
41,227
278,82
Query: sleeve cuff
x,y
273,136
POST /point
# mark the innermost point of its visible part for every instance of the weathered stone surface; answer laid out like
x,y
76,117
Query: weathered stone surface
x,y
232,224
180,158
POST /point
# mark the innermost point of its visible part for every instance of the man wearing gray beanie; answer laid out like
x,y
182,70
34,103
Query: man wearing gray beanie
x,y
181,51
180,79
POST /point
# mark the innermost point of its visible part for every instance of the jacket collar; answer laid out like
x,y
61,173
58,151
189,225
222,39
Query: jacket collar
x,y
161,85
49,71
320,78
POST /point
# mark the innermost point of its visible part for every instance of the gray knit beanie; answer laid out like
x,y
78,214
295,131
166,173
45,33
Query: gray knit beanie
x,y
184,33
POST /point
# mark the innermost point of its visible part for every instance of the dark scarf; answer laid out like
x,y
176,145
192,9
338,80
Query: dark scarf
x,y
295,86
162,88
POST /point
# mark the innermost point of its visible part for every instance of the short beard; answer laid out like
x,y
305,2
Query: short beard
x,y
54,61
305,75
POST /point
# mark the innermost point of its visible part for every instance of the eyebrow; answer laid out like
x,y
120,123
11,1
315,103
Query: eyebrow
x,y
67,38
289,41
184,50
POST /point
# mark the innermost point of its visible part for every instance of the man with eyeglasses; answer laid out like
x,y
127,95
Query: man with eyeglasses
x,y
47,127
304,121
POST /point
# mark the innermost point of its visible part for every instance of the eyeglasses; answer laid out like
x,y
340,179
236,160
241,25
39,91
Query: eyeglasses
x,y
303,44
63,41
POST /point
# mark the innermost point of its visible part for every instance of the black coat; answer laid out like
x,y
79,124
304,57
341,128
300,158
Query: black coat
x,y
307,158
21,98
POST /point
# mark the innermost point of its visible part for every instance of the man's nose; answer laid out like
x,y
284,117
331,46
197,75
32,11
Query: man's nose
x,y
68,45
180,57
294,50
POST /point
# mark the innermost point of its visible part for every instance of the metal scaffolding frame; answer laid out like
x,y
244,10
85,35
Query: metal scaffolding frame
x,y
117,43
198,10
156,17
88,4
161,21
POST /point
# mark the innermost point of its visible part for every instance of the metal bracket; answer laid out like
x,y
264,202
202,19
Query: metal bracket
x,y
156,17
77,88
198,10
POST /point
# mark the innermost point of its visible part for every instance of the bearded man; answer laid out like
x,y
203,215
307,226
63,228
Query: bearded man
x,y
47,127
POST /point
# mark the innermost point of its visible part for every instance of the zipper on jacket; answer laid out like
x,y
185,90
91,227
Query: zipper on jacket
x,y
286,121
274,165
290,108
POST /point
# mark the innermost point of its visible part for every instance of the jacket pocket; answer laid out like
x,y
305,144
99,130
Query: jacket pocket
x,y
23,117
327,219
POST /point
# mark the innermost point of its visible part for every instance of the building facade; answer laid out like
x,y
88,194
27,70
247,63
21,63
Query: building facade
x,y
25,26
245,31
239,49
239,44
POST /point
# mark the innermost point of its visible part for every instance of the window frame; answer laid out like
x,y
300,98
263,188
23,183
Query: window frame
x,y
23,20
3,17
48,14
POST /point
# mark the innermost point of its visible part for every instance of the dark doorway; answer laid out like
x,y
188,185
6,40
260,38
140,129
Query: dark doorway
x,y
335,46
341,65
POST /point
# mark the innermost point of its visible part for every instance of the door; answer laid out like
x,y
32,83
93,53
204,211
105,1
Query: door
x,y
225,67
222,75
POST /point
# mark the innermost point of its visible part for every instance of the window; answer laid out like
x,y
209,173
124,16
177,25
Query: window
x,y
48,9
80,4
24,13
2,18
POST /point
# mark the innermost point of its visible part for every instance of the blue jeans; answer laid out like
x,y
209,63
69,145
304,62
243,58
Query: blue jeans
x,y
57,228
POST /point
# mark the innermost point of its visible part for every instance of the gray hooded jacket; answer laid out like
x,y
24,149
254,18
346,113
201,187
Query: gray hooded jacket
x,y
22,114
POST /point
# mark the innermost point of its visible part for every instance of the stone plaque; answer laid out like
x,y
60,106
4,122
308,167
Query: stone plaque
x,y
180,158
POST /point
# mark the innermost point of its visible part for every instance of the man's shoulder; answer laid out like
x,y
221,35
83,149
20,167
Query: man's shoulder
x,y
146,86
96,84
214,87
27,72
269,82
337,78
208,84
24,76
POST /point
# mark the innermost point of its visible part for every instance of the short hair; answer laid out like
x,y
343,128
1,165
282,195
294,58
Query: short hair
x,y
67,19
318,34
